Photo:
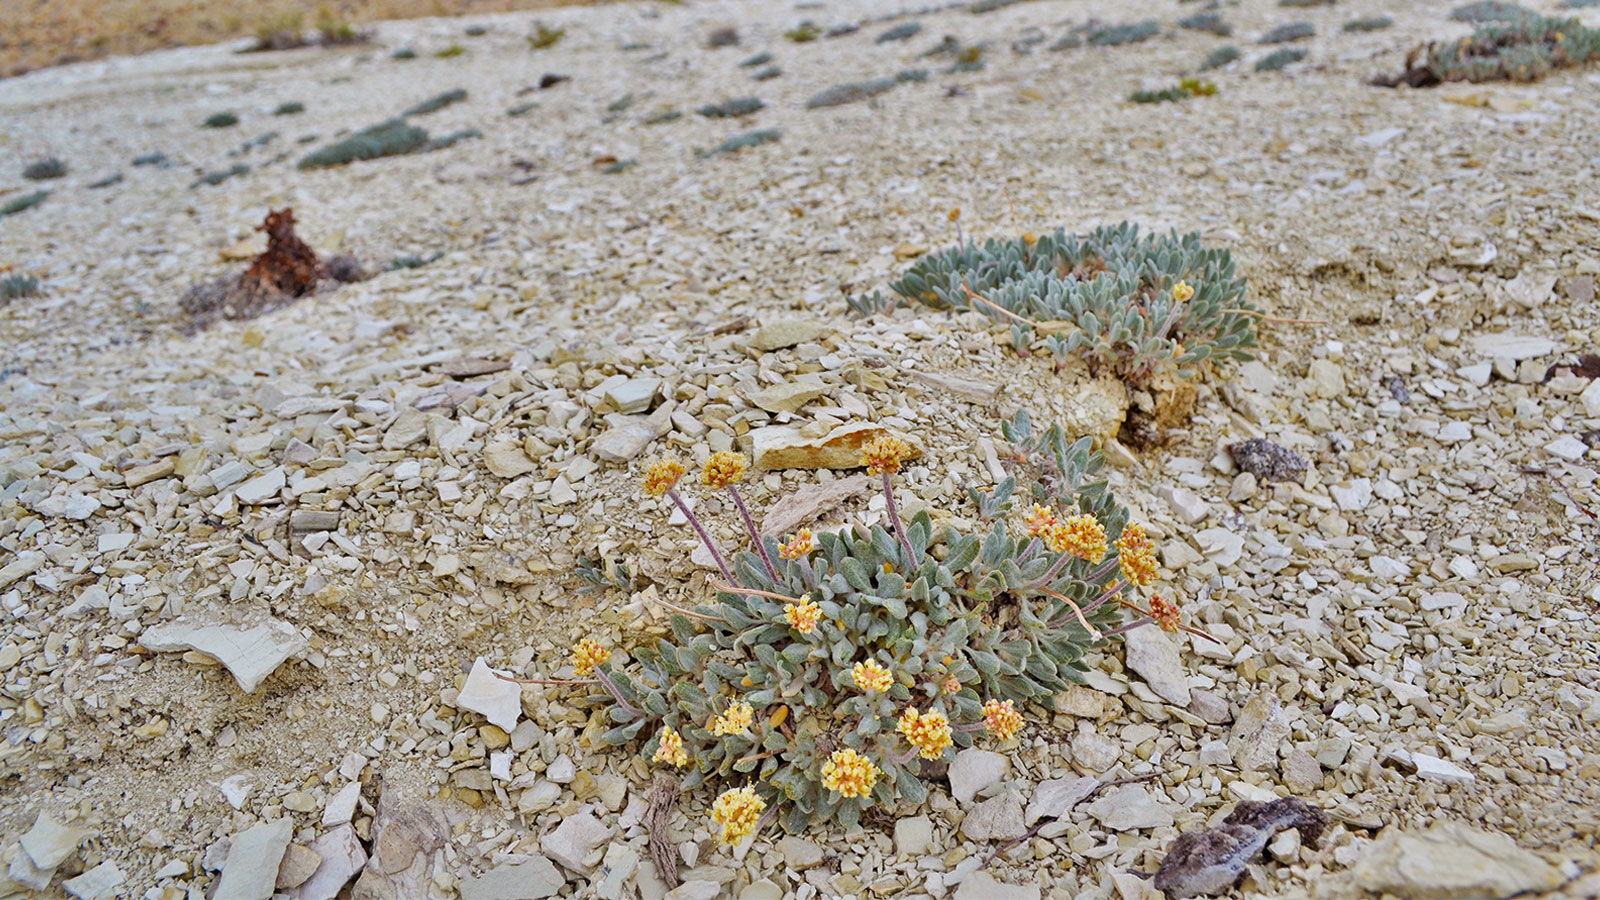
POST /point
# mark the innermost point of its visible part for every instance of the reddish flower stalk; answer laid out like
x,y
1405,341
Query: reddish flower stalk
x,y
755,536
705,537
899,526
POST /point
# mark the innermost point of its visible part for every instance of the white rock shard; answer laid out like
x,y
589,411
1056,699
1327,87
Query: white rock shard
x,y
252,867
342,860
251,650
493,697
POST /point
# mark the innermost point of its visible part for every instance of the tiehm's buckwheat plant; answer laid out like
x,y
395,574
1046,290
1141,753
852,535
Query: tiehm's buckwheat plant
x,y
831,667
1134,304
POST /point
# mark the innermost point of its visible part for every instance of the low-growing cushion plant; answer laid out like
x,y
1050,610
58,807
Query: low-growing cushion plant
x,y
1278,59
1183,90
1524,49
831,668
1132,303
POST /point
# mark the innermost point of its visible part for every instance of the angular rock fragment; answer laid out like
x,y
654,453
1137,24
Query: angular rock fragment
x,y
784,447
493,697
48,843
342,859
1451,860
252,868
533,879
809,502
251,646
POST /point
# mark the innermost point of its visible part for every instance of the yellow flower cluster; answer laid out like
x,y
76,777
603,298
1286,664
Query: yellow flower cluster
x,y
1136,556
586,654
803,617
952,684
929,732
737,811
1082,536
734,721
801,544
849,773
723,469
884,453
870,676
1002,719
670,750
1182,291
1164,612
1039,520
662,476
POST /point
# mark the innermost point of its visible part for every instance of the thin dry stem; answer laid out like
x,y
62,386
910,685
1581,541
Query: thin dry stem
x,y
1275,320
1094,633
752,591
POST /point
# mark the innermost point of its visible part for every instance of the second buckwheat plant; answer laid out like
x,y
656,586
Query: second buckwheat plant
x,y
829,668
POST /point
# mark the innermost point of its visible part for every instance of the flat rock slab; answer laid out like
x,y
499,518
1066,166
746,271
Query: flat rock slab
x,y
1130,809
534,879
1056,798
1515,347
1260,727
995,819
342,859
1451,861
789,396
48,843
785,447
493,697
781,333
973,770
1154,656
100,883
573,840
983,886
809,502
251,650
252,868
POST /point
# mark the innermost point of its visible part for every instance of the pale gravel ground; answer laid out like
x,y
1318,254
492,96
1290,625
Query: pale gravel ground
x,y
632,273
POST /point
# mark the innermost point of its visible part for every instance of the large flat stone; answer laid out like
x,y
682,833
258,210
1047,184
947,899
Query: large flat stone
x,y
493,697
1451,861
251,648
252,868
785,447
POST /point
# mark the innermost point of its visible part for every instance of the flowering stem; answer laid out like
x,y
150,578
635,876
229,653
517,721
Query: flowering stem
x,y
616,694
1029,551
1136,623
1102,570
705,538
1114,589
1050,574
902,760
970,727
899,526
755,537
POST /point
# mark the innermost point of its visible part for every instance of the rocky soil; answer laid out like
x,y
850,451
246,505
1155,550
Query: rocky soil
x,y
247,573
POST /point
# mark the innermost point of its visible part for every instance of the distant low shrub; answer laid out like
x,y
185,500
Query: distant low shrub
x,y
1278,59
44,169
1219,57
1117,35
